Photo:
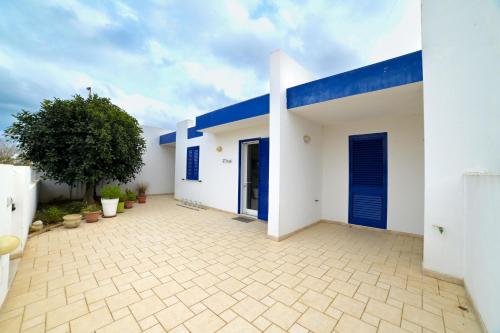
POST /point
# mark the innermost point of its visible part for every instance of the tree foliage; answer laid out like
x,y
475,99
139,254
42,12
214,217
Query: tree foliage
x,y
80,141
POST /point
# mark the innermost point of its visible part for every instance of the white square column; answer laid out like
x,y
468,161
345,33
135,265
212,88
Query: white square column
x,y
294,166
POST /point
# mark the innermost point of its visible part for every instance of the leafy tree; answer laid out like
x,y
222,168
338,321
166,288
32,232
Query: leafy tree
x,y
80,141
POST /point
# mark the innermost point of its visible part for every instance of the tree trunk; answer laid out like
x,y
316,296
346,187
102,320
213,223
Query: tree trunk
x,y
88,197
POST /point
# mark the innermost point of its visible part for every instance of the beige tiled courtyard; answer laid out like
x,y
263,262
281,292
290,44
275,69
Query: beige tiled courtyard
x,y
160,267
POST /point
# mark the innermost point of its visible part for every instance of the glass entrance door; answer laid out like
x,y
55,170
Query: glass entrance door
x,y
250,178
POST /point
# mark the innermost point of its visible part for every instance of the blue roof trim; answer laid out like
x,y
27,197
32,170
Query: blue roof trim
x,y
254,107
193,132
167,138
386,74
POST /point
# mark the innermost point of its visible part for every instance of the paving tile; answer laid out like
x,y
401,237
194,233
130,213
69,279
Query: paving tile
x,y
174,315
373,292
384,311
239,325
316,300
460,324
230,285
146,264
168,289
349,305
205,322
99,293
122,299
281,315
285,295
192,295
45,305
249,308
219,302
146,307
91,321
423,318
348,324
66,313
317,322
125,324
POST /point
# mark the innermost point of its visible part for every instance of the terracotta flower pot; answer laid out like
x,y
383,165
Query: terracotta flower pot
x,y
129,204
92,217
141,198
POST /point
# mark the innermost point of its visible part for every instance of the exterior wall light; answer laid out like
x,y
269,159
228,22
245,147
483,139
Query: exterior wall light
x,y
307,138
219,149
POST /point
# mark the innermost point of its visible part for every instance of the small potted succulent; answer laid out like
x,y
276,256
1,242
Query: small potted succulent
x,y
72,220
141,190
91,213
110,195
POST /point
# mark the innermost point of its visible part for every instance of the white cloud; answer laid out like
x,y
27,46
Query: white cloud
x,y
88,16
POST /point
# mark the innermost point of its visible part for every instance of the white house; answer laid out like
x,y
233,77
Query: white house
x,y
395,145
347,148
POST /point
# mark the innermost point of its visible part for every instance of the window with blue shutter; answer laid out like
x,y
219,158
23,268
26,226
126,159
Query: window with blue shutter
x,y
193,162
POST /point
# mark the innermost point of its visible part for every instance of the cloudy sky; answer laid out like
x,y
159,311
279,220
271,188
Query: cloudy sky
x,y
165,61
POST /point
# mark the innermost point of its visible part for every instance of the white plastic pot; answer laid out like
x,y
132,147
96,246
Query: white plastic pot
x,y
109,207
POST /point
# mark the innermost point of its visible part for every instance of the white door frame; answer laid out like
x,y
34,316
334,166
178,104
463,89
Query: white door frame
x,y
243,179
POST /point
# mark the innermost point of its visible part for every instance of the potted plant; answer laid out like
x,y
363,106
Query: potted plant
x,y
91,213
72,220
110,195
121,203
129,202
141,190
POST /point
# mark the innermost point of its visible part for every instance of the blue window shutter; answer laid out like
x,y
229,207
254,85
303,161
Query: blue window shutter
x,y
192,163
263,179
368,180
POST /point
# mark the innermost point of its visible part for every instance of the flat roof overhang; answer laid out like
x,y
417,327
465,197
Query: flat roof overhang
x,y
239,124
234,115
168,139
395,72
401,100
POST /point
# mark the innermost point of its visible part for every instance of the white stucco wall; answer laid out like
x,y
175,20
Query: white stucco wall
x,y
157,172
293,196
461,53
219,181
482,227
18,187
405,148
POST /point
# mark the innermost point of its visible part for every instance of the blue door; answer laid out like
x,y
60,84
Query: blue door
x,y
368,180
263,178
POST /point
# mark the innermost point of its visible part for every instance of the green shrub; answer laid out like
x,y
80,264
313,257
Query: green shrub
x,y
142,188
110,192
131,196
72,207
123,197
91,208
52,215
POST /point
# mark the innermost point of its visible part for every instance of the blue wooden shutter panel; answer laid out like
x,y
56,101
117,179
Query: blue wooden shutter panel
x,y
263,178
368,180
192,163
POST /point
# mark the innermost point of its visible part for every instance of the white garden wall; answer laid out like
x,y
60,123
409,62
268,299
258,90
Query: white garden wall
x,y
461,53
482,227
219,181
405,148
